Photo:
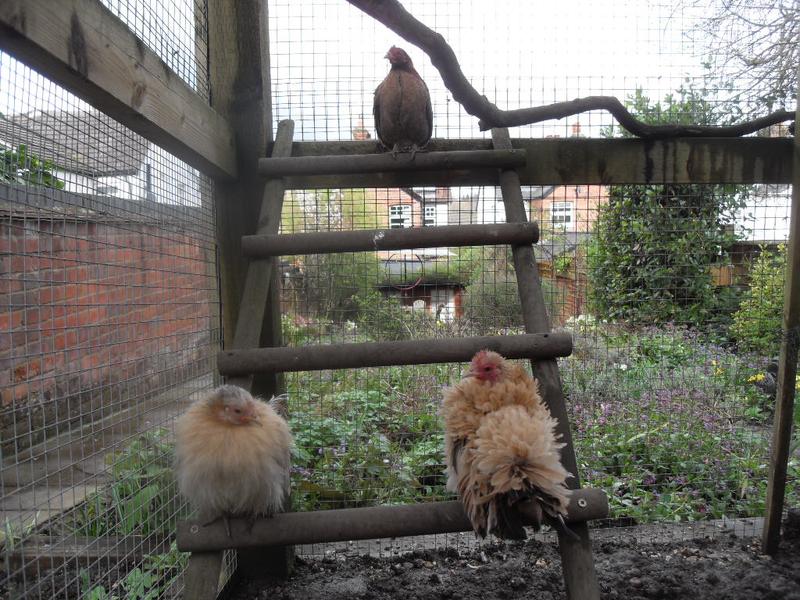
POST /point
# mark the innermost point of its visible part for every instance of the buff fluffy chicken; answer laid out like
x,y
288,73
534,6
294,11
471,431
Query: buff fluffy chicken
x,y
233,454
501,449
402,106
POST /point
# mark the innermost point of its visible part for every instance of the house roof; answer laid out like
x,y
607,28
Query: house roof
x,y
86,142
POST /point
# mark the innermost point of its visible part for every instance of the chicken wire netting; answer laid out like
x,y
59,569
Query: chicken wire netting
x,y
673,293
110,326
110,307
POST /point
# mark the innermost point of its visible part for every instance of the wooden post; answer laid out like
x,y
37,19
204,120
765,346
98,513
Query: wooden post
x,y
239,75
238,64
577,564
787,369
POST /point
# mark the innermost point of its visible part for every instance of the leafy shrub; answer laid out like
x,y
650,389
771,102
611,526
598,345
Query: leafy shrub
x,y
649,261
20,166
367,449
757,325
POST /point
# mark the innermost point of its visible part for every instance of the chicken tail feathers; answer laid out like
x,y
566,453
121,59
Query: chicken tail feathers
x,y
516,459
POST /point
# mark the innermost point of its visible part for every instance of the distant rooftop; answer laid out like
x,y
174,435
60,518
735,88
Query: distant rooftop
x,y
86,143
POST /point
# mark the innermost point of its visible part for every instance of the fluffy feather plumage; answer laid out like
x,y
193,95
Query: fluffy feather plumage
x,y
501,447
233,456
402,106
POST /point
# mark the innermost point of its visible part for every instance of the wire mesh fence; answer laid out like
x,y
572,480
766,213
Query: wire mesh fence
x,y
665,288
110,323
110,310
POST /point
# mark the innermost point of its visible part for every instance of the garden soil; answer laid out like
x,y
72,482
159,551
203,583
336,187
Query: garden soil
x,y
723,566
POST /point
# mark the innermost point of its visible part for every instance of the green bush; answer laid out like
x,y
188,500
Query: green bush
x,y
758,323
20,166
650,259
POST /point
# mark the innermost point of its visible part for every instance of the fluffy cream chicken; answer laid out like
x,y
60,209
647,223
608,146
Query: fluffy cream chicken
x,y
233,456
501,448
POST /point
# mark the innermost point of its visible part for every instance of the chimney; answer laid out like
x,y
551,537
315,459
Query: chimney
x,y
576,129
360,132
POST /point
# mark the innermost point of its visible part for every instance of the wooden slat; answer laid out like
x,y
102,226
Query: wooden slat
x,y
379,354
359,524
202,575
82,46
322,242
40,552
373,163
577,563
581,161
787,372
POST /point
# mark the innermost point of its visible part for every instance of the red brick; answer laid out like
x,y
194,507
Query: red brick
x,y
27,370
10,320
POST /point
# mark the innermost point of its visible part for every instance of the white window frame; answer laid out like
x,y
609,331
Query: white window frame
x,y
429,215
562,213
400,216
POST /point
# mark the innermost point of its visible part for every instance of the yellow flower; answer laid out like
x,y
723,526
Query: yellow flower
x,y
756,377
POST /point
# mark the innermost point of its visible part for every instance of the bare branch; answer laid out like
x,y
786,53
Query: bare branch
x,y
392,14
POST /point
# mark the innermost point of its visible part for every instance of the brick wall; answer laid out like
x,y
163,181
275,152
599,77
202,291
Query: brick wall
x,y
96,313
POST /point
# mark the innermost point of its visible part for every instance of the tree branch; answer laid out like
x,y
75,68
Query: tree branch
x,y
392,14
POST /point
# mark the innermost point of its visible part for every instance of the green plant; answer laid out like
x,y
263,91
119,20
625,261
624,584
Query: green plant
x,y
20,166
650,258
15,531
140,497
758,323
157,573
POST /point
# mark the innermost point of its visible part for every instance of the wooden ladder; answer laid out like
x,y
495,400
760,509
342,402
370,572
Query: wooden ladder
x,y
267,543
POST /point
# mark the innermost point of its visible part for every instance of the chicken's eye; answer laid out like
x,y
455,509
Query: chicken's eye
x,y
238,411
487,368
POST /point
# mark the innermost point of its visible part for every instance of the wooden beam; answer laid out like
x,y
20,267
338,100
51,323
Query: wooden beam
x,y
787,371
323,242
580,161
239,73
238,70
82,46
379,354
202,575
403,162
360,524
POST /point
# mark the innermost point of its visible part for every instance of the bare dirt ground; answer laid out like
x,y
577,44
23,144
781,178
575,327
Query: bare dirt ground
x,y
724,566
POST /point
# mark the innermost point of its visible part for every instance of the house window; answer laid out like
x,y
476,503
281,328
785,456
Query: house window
x,y
434,214
561,213
430,215
399,216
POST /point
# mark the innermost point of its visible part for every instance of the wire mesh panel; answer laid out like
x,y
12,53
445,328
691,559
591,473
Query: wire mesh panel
x,y
673,292
176,30
110,324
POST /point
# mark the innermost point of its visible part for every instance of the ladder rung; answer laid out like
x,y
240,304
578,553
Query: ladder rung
x,y
375,163
338,525
380,354
321,242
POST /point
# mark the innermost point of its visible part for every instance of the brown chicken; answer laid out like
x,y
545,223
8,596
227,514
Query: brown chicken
x,y
233,456
402,107
501,449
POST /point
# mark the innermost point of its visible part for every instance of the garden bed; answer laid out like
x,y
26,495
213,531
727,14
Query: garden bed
x,y
723,566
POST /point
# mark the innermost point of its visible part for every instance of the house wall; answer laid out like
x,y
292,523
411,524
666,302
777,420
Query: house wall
x,y
88,304
586,201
